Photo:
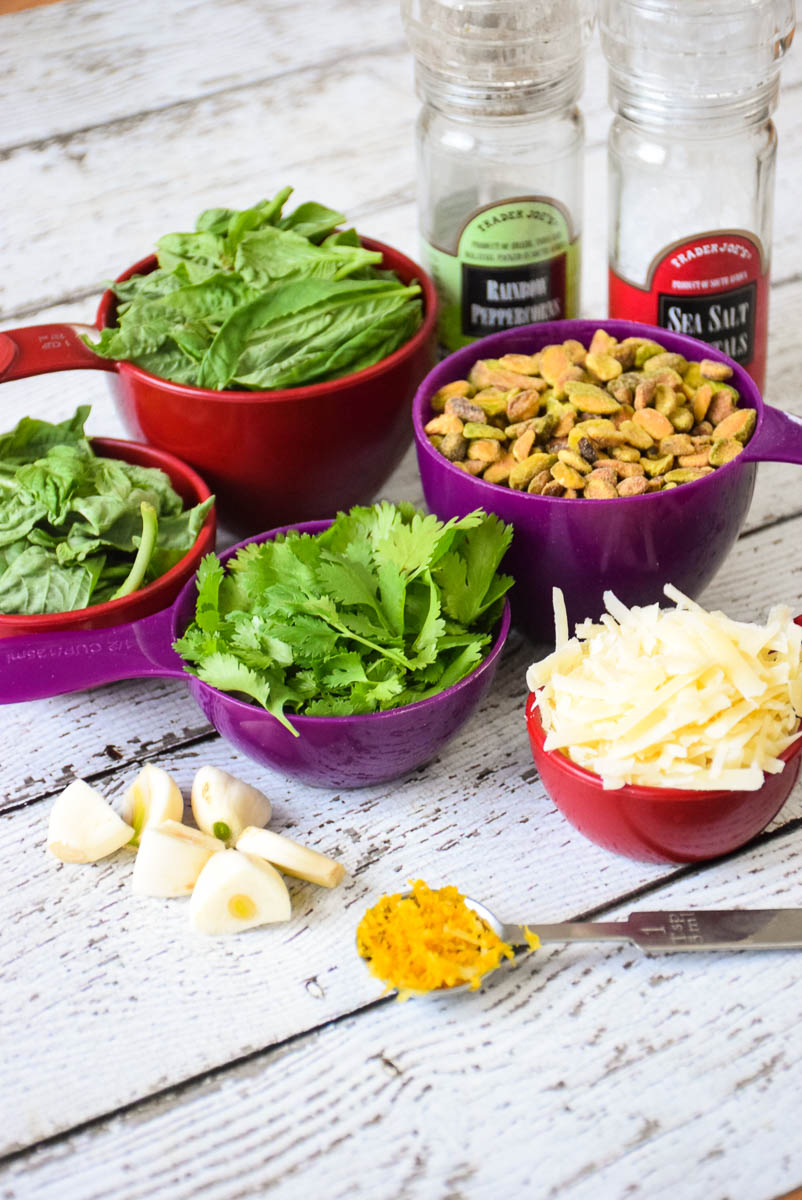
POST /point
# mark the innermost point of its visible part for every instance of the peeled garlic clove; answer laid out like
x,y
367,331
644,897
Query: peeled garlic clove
x,y
83,826
170,858
291,857
223,805
153,797
235,891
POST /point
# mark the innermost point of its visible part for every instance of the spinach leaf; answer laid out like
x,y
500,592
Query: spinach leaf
x,y
75,527
36,583
31,438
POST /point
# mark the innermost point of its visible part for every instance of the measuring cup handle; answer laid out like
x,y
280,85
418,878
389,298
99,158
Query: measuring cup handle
x,y
39,349
49,664
778,438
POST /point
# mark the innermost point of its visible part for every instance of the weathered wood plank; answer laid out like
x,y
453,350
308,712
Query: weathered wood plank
x,y
579,1072
187,50
83,206
81,212
103,62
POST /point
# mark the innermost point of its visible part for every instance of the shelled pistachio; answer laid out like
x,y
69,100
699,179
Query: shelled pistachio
x,y
616,418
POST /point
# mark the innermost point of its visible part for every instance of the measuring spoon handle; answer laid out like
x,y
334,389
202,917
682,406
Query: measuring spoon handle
x,y
670,931
49,664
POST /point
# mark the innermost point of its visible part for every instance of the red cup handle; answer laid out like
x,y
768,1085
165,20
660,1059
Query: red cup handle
x,y
778,438
39,349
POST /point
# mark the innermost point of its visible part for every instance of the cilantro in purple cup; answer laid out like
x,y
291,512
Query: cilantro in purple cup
x,y
385,607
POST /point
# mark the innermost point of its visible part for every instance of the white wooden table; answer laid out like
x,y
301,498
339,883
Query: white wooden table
x,y
141,1060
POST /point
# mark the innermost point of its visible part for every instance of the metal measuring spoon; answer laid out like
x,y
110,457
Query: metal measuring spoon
x,y
668,930
659,932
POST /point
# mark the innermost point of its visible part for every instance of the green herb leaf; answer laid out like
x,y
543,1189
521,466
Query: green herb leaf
x,y
71,522
32,438
354,619
467,574
255,300
34,583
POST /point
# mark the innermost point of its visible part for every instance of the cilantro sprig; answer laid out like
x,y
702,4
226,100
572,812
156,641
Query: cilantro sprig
x,y
387,606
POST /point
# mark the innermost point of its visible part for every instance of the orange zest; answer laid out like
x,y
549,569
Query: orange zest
x,y
428,939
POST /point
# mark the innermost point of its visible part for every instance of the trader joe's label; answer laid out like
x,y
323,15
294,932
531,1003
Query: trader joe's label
x,y
714,287
516,263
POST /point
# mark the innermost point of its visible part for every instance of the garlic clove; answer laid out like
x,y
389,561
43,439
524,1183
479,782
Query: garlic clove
x,y
83,827
170,858
235,891
224,805
291,857
153,797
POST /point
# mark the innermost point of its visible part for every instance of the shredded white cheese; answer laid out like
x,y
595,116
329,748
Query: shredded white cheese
x,y
676,697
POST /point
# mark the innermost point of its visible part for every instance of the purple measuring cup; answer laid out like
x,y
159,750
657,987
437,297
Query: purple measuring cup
x,y
632,546
329,751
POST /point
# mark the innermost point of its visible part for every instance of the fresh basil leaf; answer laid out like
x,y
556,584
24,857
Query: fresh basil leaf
x,y
269,255
19,514
373,334
52,481
153,286
200,253
318,339
280,327
312,220
168,362
222,220
343,237
230,305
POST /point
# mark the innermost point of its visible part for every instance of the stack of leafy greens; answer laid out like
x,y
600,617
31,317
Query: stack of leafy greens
x,y
255,300
77,529
385,607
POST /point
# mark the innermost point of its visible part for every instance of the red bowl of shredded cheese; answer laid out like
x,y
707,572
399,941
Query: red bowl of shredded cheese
x,y
661,825
669,735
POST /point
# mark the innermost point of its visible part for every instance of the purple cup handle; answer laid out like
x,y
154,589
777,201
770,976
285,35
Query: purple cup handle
x,y
778,438
49,664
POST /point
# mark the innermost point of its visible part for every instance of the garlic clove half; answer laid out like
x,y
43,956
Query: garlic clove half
x,y
235,891
170,858
291,857
223,805
83,827
153,797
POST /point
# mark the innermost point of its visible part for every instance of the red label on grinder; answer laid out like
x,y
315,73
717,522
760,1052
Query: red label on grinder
x,y
713,287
